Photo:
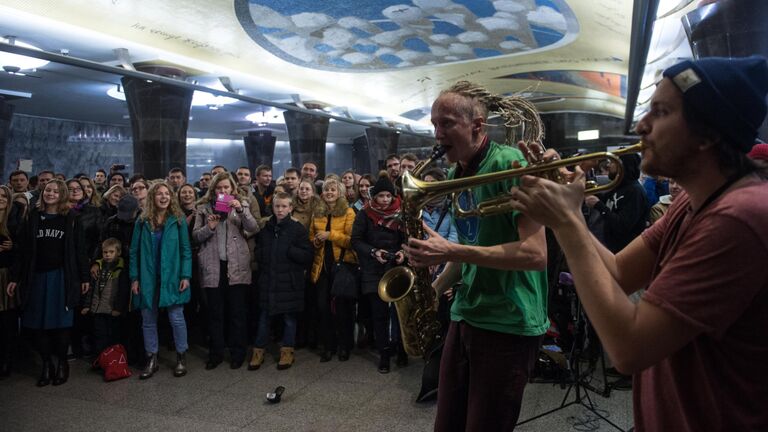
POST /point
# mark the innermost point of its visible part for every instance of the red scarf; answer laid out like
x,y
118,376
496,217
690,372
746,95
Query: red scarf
x,y
388,217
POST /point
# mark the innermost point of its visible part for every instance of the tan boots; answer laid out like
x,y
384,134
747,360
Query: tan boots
x,y
286,358
257,358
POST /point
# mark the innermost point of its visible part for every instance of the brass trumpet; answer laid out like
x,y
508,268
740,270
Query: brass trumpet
x,y
417,193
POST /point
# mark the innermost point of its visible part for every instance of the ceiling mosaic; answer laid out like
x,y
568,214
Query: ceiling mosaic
x,y
375,35
610,83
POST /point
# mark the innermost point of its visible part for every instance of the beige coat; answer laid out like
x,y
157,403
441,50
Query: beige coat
x,y
239,253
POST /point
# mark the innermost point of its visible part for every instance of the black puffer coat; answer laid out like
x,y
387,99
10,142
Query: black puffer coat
x,y
283,252
366,236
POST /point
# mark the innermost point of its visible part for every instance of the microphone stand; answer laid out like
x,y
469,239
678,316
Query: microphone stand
x,y
579,384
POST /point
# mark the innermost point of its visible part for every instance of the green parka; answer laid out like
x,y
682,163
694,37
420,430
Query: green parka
x,y
175,263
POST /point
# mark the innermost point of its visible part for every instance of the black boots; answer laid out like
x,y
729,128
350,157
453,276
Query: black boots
x,y
384,362
5,366
181,365
343,355
62,371
151,366
47,374
326,356
402,356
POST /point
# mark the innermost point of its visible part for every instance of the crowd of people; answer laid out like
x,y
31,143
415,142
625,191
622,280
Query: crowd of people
x,y
234,261
248,261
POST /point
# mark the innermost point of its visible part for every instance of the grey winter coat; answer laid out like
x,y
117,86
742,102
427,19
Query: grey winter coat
x,y
238,251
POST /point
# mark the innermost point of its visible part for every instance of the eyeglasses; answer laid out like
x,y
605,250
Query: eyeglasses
x,y
138,188
76,189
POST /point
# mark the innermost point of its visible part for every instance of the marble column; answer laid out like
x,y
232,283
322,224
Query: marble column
x,y
6,115
159,119
381,142
307,135
259,149
361,163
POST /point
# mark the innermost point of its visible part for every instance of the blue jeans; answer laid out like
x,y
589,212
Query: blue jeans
x,y
289,331
179,326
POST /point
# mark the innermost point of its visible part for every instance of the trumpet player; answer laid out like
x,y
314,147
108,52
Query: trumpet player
x,y
499,314
696,341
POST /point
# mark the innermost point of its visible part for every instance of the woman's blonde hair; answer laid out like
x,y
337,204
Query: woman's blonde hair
x,y
113,189
95,198
62,205
151,212
353,192
210,196
339,186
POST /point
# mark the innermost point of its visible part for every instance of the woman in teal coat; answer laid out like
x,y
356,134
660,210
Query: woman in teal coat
x,y
160,269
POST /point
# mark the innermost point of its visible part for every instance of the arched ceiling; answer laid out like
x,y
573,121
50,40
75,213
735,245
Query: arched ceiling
x,y
377,58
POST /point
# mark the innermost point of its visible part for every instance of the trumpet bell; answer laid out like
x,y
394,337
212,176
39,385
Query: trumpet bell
x,y
396,283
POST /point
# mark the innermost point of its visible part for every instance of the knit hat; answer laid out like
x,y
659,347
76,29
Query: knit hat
x,y
126,207
759,152
728,93
383,184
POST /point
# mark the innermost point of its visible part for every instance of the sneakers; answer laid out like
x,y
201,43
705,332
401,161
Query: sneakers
x,y
286,358
257,358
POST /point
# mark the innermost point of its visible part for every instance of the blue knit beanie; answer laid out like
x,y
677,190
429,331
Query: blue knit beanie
x,y
728,93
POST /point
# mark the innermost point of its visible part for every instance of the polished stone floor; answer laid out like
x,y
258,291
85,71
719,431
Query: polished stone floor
x,y
333,396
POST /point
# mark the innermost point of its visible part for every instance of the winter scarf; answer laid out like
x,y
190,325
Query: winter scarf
x,y
388,217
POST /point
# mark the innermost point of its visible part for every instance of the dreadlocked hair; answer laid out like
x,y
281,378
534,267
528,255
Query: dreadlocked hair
x,y
515,110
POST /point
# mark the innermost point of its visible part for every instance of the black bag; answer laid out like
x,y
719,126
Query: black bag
x,y
346,279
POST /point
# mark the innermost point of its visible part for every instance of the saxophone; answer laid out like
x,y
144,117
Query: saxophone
x,y
411,288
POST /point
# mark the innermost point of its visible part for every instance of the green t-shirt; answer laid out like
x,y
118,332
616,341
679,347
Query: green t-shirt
x,y
499,300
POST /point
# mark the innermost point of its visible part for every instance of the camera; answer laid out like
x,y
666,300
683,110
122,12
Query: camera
x,y
389,257
118,167
221,206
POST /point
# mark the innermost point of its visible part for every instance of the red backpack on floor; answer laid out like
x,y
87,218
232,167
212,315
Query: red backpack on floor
x,y
114,362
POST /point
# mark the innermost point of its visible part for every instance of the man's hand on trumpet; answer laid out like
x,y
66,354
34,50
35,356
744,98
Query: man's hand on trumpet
x,y
550,203
535,154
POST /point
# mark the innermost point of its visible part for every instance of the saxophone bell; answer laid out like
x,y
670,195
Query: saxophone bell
x,y
396,283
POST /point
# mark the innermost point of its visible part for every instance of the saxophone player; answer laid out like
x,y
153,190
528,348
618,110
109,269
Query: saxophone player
x,y
499,314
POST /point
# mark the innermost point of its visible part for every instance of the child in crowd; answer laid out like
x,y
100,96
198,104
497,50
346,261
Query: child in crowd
x,y
283,251
108,300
